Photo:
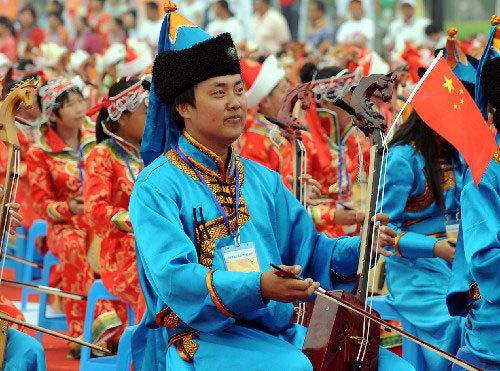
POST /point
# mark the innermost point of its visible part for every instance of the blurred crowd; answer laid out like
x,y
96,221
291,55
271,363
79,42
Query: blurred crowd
x,y
107,39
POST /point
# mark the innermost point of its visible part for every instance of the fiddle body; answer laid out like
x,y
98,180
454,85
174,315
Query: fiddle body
x,y
335,336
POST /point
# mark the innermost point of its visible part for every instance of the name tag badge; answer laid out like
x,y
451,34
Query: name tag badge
x,y
242,258
452,225
452,230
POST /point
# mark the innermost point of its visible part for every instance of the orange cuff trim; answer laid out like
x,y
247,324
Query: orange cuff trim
x,y
396,244
437,235
215,297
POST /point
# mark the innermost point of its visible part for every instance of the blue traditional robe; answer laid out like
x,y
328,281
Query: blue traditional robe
x,y
474,291
23,353
216,319
416,279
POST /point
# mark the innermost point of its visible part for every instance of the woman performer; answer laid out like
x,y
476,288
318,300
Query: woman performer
x,y
55,170
422,190
341,170
111,170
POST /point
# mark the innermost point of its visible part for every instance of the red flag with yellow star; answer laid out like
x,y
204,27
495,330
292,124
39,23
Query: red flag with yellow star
x,y
447,107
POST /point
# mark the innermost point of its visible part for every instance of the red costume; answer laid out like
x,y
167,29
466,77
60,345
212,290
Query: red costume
x,y
263,143
108,186
55,171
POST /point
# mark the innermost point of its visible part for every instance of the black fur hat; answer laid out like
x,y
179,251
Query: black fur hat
x,y
490,80
176,71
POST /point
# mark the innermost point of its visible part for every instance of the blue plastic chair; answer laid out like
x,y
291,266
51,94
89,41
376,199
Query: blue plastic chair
x,y
125,350
109,363
57,323
412,353
38,229
19,250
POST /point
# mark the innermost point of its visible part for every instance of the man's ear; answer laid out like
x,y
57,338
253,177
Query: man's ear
x,y
184,110
53,117
264,104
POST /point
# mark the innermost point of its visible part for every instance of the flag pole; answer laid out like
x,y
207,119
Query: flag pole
x,y
414,91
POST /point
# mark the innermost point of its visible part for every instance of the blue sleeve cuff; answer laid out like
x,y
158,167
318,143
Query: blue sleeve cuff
x,y
235,293
412,245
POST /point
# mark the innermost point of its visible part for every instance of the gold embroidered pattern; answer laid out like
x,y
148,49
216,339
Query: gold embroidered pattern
x,y
422,202
185,344
474,294
496,155
167,318
225,191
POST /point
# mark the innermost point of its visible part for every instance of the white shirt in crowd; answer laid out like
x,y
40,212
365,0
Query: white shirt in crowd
x,y
400,32
192,10
269,31
351,30
242,10
231,25
342,7
150,31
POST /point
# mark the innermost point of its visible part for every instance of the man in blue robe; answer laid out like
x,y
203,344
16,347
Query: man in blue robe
x,y
208,223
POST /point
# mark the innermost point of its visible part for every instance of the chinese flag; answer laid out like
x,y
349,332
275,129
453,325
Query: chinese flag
x,y
446,106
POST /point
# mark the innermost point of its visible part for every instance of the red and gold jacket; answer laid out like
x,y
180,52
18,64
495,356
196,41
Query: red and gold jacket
x,y
26,138
55,171
262,143
333,187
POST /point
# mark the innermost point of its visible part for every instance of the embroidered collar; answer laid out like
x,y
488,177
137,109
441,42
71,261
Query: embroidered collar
x,y
133,151
203,158
50,141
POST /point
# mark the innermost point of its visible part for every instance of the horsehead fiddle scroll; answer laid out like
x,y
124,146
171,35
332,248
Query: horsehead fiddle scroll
x,y
23,92
296,102
344,333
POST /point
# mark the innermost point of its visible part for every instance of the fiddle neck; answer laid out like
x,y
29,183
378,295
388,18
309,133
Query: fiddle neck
x,y
368,237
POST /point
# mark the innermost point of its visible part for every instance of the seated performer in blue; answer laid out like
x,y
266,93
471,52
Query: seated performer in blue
x,y
208,224
23,353
474,292
422,190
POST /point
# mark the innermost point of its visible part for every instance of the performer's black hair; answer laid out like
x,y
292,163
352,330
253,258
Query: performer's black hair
x,y
186,96
416,133
123,84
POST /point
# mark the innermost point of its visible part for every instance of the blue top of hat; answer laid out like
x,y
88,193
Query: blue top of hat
x,y
177,33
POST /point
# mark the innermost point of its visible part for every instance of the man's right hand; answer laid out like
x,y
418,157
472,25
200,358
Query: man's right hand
x,y
442,249
284,289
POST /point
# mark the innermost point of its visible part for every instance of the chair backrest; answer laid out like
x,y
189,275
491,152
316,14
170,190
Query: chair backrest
x,y
37,229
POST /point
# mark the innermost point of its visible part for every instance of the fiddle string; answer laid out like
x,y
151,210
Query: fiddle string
x,y
303,170
9,199
368,308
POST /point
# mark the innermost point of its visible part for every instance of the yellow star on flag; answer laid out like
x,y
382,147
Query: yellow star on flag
x,y
461,100
448,84
461,91
455,106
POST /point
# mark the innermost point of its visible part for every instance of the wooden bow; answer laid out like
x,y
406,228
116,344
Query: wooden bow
x,y
23,92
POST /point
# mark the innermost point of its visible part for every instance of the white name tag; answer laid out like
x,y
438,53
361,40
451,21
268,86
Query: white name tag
x,y
241,258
